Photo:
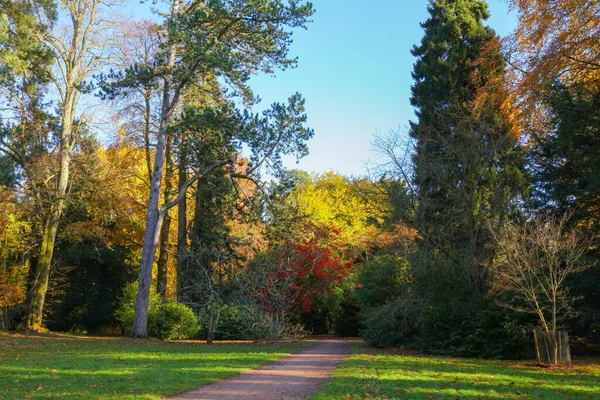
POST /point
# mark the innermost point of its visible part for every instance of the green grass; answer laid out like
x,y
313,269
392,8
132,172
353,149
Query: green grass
x,y
370,373
60,366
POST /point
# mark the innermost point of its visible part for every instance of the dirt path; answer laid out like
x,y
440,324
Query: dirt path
x,y
293,377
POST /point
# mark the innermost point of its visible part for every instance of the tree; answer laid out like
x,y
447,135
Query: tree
x,y
566,159
42,143
22,53
467,166
14,244
319,226
233,37
356,208
534,261
554,41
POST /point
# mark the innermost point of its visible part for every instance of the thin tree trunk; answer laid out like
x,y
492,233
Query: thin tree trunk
x,y
163,257
182,247
152,232
147,125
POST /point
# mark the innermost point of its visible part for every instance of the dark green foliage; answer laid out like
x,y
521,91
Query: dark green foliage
x,y
567,160
391,325
467,167
454,39
89,281
391,314
585,323
335,312
173,320
467,176
381,280
431,306
565,163
8,175
348,322
473,326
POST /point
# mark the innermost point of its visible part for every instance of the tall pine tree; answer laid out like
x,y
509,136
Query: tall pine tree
x,y
466,160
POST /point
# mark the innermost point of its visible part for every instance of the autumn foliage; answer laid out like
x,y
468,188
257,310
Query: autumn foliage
x,y
306,268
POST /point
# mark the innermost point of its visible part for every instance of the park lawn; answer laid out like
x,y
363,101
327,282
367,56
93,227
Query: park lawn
x,y
372,373
60,366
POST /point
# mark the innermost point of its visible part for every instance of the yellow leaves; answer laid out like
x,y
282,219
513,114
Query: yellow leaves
x,y
13,227
116,201
14,240
355,207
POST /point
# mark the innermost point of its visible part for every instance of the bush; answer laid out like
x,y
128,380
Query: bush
x,y
432,307
395,324
124,313
167,321
382,280
173,320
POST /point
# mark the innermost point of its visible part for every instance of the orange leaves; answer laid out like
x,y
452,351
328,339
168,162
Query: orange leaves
x,y
11,292
555,40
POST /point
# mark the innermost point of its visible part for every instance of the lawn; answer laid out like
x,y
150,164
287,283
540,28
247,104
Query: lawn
x,y
59,366
370,373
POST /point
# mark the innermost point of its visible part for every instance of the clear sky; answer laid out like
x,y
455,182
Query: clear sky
x,y
355,72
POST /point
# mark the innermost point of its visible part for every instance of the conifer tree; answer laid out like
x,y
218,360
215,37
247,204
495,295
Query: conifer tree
x,y
466,163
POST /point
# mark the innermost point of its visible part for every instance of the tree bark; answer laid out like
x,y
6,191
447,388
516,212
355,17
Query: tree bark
x,y
163,257
152,232
41,275
37,295
182,247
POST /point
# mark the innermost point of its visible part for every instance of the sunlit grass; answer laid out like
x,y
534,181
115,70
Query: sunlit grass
x,y
371,373
60,366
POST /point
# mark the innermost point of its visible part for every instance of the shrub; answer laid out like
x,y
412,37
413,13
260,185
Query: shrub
x,y
124,313
382,280
432,307
173,320
167,321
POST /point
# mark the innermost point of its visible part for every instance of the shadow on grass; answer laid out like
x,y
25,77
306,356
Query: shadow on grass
x,y
382,374
95,368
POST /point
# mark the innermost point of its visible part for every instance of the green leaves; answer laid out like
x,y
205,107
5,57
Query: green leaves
x,y
278,131
22,52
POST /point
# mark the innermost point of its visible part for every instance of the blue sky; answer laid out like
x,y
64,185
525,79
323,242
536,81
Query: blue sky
x,y
354,71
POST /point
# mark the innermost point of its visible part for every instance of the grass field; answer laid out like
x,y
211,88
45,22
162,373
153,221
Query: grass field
x,y
61,366
370,373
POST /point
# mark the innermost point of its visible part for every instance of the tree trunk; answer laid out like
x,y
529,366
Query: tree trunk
x,y
182,247
151,234
147,125
37,295
41,275
552,348
163,257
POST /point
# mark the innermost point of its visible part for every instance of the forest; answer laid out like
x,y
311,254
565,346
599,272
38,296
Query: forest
x,y
143,194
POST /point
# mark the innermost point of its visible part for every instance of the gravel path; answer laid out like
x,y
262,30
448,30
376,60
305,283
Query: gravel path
x,y
293,377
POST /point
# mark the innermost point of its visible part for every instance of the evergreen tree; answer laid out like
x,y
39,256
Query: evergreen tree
x,y
565,162
567,158
466,163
